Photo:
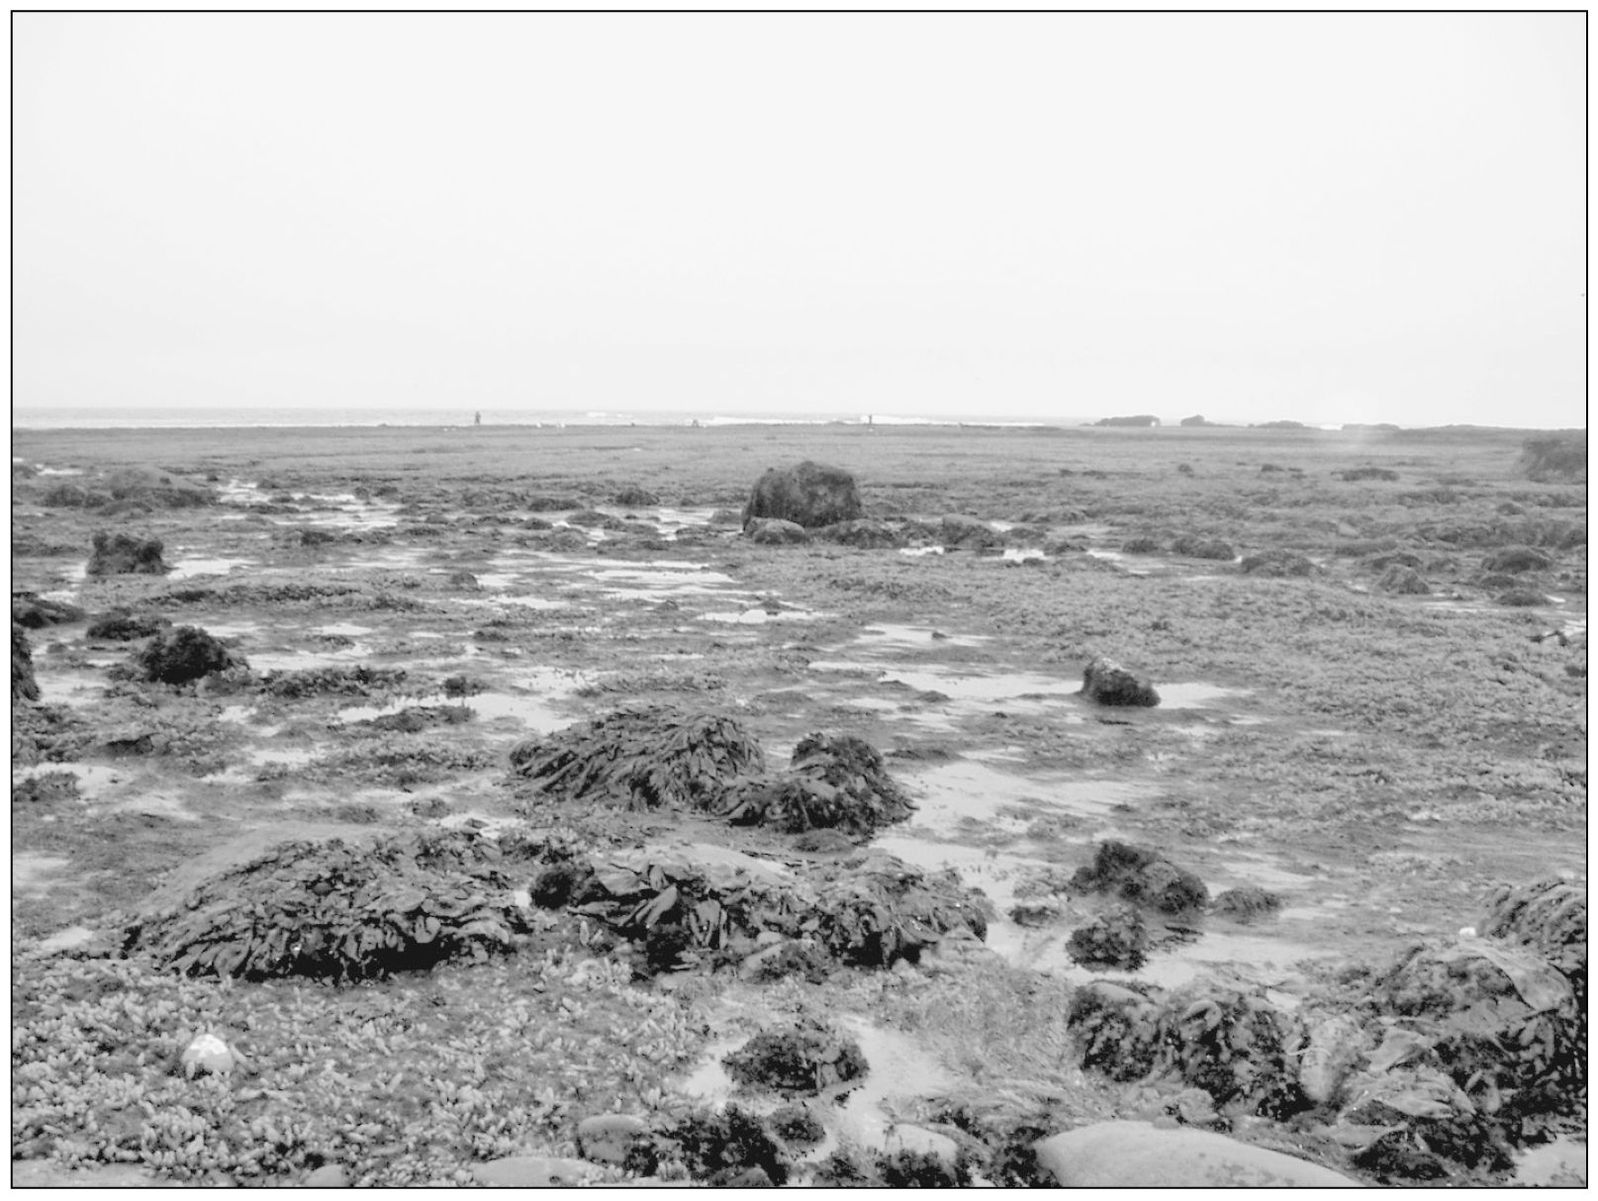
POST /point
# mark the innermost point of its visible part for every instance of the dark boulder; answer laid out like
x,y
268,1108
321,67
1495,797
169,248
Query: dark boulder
x,y
23,685
123,554
1108,683
810,495
1142,876
1247,904
774,531
183,654
833,783
1141,545
805,1059
1115,940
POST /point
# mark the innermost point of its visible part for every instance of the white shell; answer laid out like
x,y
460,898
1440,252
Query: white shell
x,y
207,1053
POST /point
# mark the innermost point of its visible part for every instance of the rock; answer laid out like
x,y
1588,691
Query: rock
x,y
207,1055
123,554
1277,564
182,654
918,1140
533,1171
958,530
1516,559
1140,1155
607,1137
1335,1046
1118,939
329,1175
1141,546
802,1059
119,625
1247,904
1203,548
23,685
36,612
1108,683
811,495
823,842
864,533
1143,876
956,952
634,497
1402,581
772,531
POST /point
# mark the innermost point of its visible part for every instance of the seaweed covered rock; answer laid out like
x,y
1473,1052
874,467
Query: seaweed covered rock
x,y
35,612
810,495
1142,876
958,530
1277,564
635,497
23,685
1117,939
833,782
864,533
773,531
722,1148
120,625
1195,547
1108,683
328,910
683,905
1514,560
154,488
1223,1038
807,1058
1402,581
1247,904
1142,544
1550,917
342,681
124,554
183,654
642,758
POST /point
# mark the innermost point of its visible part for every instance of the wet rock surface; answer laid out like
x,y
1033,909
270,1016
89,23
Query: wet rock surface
x,y
1140,1155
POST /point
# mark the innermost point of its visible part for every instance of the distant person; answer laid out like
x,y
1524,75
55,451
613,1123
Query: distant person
x,y
477,418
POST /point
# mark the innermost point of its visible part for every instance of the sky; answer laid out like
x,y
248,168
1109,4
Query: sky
x,y
1318,217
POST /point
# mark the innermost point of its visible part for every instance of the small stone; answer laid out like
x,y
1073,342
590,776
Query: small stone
x,y
207,1055
533,1171
329,1175
607,1137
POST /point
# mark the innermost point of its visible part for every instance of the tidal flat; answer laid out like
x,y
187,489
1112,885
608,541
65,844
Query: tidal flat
x,y
387,852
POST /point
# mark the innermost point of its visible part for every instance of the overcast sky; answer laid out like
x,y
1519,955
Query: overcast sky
x,y
1320,217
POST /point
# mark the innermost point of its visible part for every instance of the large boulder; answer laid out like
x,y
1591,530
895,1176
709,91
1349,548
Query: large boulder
x,y
1141,1155
183,654
811,495
1108,683
123,554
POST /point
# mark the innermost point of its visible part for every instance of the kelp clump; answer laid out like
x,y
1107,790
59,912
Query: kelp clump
x,y
341,681
1550,917
833,782
1142,876
688,905
644,758
806,1059
183,654
123,554
1117,939
328,910
120,625
1223,1038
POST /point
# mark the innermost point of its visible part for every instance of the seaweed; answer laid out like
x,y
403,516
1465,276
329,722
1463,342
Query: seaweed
x,y
119,625
1117,939
183,654
124,554
644,758
328,910
805,1059
833,782
1142,876
23,684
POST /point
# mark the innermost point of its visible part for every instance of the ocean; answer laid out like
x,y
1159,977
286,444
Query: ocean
x,y
152,417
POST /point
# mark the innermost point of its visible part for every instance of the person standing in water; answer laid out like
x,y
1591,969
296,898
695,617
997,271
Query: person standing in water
x,y
477,418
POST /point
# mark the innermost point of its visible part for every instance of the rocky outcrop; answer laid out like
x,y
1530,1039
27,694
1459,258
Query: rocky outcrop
x,y
811,495
120,625
1402,581
36,612
634,497
864,533
1108,683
